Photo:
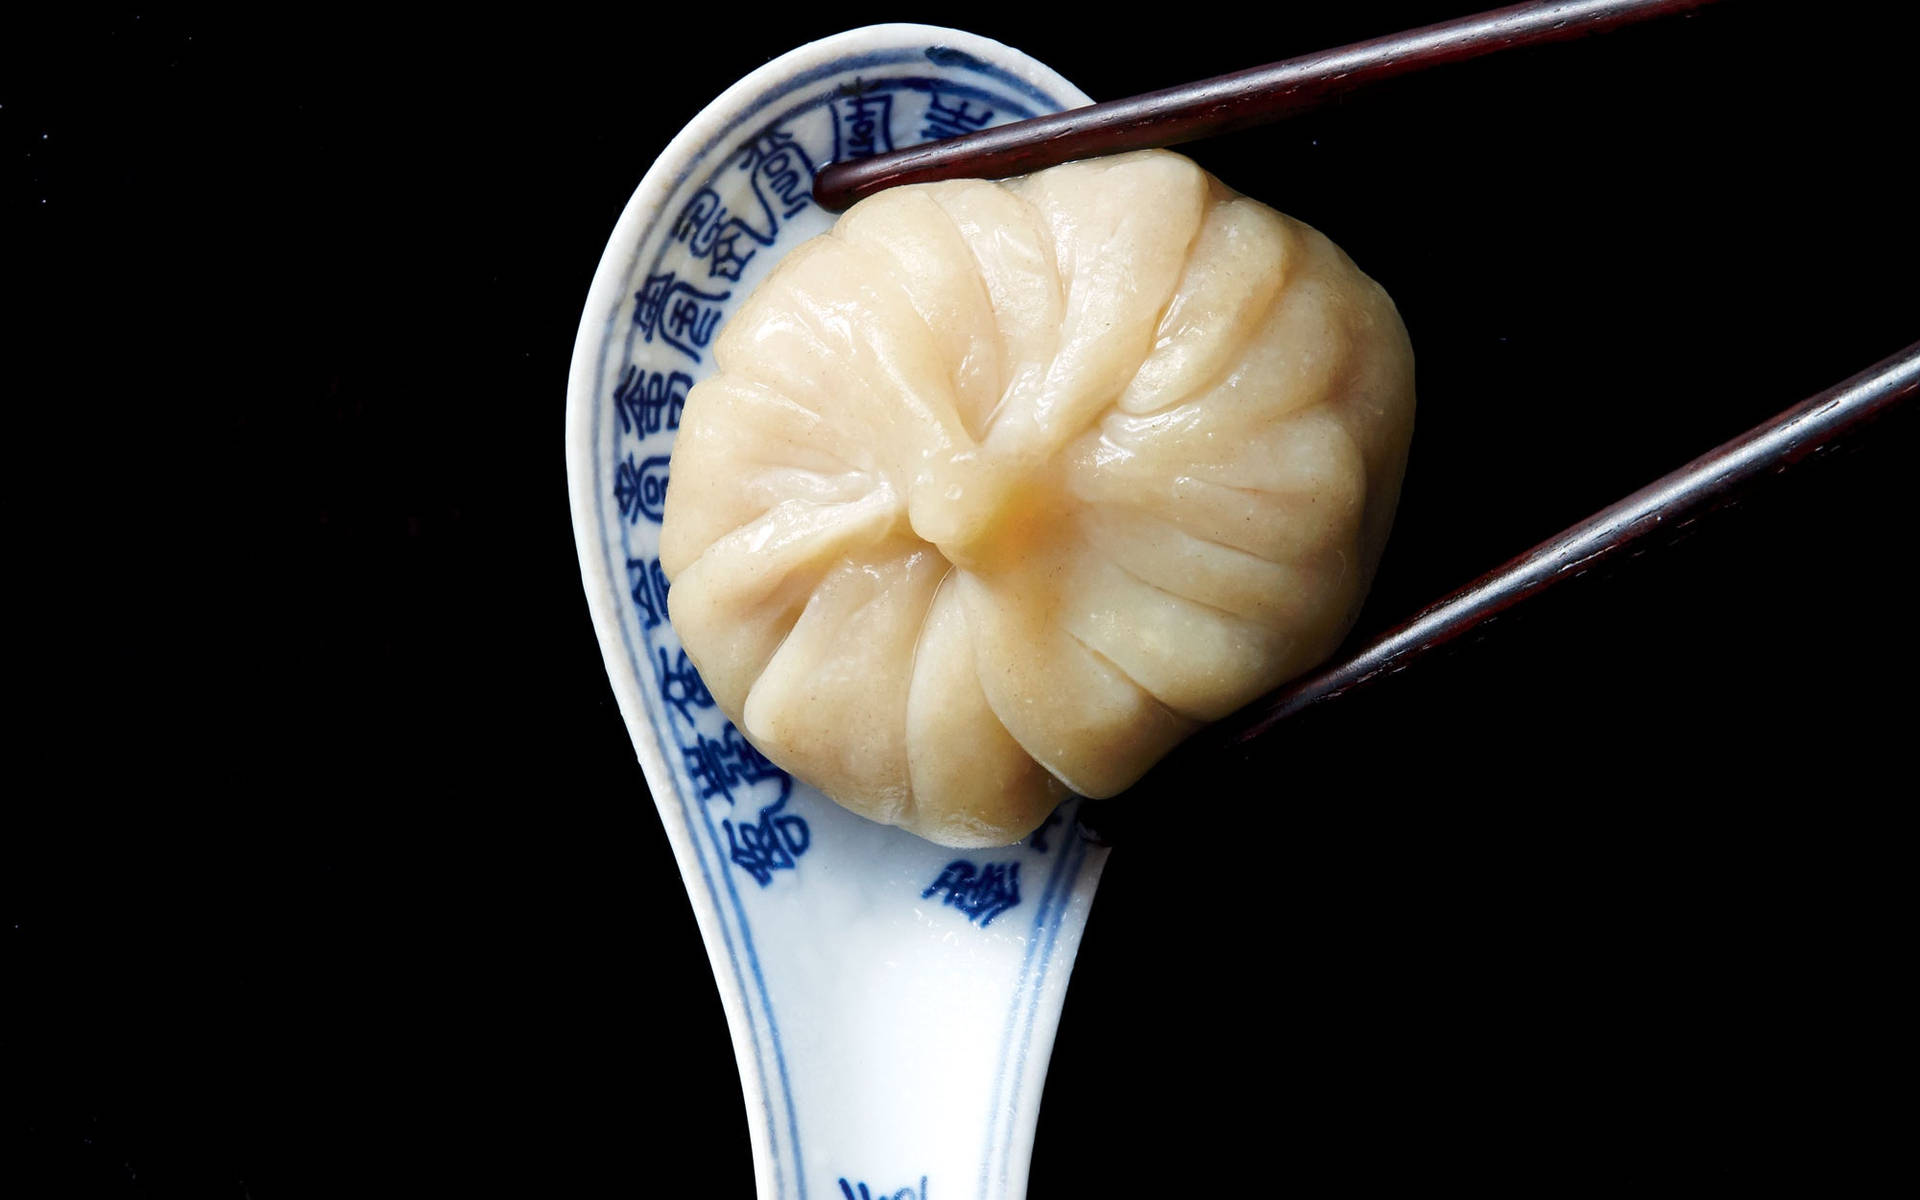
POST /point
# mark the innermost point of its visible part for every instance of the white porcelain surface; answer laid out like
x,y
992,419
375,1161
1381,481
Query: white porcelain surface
x,y
892,1003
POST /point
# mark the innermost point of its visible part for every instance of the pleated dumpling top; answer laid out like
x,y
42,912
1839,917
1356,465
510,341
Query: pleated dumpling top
x,y
1000,490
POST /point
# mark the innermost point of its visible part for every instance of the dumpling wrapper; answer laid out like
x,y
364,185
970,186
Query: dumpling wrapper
x,y
1000,490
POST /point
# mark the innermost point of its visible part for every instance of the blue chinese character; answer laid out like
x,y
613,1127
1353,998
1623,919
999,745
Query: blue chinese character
x,y
681,314
778,183
945,121
641,490
982,893
866,1193
647,583
773,843
862,126
681,686
782,176
718,765
649,400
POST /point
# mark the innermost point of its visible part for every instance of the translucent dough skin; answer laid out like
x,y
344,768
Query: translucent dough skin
x,y
1001,490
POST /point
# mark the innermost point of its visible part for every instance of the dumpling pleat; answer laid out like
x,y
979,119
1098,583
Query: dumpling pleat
x,y
832,701
1013,252
846,349
1191,657
983,788
746,449
1283,493
930,262
1167,557
735,604
1236,267
1121,231
1060,699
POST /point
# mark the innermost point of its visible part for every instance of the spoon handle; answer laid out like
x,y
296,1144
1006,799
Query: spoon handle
x,y
893,1004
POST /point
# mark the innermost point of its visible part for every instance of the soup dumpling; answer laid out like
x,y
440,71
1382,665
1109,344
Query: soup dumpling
x,y
1000,490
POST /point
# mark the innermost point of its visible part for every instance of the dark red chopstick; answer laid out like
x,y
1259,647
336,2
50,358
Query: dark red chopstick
x,y
1664,505
1229,102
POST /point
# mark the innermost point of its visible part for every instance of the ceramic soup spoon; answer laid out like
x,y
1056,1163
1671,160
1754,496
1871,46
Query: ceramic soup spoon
x,y
853,959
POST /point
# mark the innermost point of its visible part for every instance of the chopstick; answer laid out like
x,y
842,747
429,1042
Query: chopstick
x,y
1227,103
1264,94
1667,504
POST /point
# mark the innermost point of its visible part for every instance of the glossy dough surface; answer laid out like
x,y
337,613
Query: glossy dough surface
x,y
1003,489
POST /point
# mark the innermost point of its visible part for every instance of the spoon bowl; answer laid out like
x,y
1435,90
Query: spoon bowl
x,y
892,1003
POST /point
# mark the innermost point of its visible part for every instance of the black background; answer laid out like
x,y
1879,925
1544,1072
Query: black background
x,y
329,867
